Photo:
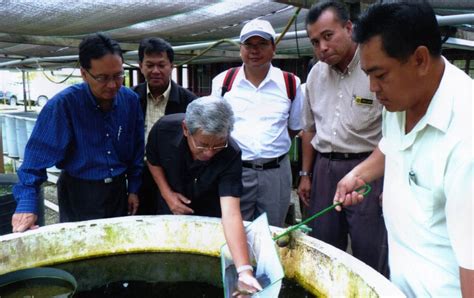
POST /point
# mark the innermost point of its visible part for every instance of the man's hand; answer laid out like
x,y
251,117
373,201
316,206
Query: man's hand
x,y
24,221
133,203
345,191
246,285
304,189
177,203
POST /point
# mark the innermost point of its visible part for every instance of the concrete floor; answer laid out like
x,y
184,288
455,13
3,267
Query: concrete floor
x,y
50,194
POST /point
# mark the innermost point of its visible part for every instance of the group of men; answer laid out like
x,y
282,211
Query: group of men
x,y
381,106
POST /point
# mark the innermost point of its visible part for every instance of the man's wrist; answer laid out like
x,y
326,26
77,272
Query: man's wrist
x,y
244,268
305,174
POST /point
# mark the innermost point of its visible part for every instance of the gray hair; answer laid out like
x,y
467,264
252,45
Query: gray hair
x,y
212,115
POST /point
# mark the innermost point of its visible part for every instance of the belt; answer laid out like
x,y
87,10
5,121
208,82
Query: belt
x,y
344,156
112,179
107,180
270,164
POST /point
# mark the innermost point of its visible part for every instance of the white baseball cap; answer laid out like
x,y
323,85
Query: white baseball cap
x,y
257,27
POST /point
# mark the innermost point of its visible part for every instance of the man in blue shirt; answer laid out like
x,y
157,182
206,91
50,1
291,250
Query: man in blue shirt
x,y
94,132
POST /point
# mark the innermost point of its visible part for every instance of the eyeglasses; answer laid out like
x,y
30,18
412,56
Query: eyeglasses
x,y
103,79
202,148
257,46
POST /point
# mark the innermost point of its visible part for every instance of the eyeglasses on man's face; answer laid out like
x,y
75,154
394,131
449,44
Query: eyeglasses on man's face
x,y
258,46
205,148
104,79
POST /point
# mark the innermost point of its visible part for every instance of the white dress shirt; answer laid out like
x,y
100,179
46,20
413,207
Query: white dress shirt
x,y
262,114
428,194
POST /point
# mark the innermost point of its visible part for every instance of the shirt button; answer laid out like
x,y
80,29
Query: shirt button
x,y
337,114
108,152
111,169
106,134
334,133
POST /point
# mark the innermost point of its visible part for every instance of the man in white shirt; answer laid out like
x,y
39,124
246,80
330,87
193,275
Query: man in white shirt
x,y
426,151
264,114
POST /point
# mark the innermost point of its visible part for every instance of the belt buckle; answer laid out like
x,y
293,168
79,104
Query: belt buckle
x,y
257,167
108,180
346,155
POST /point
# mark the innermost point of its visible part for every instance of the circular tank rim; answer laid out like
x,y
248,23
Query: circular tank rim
x,y
321,268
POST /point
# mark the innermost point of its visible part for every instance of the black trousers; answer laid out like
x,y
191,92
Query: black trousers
x,y
148,194
363,222
88,199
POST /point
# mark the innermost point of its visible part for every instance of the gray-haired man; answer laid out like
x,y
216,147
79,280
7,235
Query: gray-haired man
x,y
198,169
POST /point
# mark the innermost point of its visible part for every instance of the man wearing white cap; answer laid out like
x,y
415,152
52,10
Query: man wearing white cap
x,y
267,106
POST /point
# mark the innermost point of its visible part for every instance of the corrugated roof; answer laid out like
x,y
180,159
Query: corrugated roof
x,y
54,28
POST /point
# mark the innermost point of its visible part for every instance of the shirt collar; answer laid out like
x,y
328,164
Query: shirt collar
x,y
442,105
165,94
272,75
352,65
439,111
93,99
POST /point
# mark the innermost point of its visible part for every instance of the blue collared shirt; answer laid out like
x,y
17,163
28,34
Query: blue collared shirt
x,y
75,135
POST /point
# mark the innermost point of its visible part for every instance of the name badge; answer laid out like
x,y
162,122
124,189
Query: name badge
x,y
363,101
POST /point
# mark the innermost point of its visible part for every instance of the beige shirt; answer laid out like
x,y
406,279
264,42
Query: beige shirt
x,y
155,108
340,108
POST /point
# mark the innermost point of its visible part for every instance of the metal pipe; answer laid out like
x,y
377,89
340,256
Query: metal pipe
x,y
442,21
459,19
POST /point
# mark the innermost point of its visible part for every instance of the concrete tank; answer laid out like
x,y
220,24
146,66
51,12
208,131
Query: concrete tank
x,y
320,268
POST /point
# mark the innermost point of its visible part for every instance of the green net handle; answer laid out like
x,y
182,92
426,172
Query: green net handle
x,y
363,190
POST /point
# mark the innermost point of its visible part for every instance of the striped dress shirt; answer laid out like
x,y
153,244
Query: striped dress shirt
x,y
75,135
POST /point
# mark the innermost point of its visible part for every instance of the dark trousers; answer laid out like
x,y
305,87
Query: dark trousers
x,y
148,194
363,222
86,199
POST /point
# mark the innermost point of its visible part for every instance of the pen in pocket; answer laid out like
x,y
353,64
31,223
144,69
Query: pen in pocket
x,y
412,177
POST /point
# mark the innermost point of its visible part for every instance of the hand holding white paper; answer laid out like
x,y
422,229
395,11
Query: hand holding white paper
x,y
263,257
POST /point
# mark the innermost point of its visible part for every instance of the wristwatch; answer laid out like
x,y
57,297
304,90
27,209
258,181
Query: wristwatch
x,y
303,173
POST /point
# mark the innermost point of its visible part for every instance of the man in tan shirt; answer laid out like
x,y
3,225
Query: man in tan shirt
x,y
341,127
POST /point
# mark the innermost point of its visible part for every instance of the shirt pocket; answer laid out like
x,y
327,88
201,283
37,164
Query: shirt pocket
x,y
424,204
363,112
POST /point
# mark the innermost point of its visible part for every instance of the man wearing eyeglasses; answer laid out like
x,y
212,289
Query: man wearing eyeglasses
x,y
265,117
193,159
198,169
159,96
94,133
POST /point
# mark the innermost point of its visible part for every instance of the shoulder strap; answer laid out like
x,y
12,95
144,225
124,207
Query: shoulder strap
x,y
290,83
229,79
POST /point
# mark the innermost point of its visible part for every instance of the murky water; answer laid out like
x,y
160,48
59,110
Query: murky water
x,y
156,275
171,275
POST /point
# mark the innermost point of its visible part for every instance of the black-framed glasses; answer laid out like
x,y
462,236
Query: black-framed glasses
x,y
104,79
202,148
259,46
